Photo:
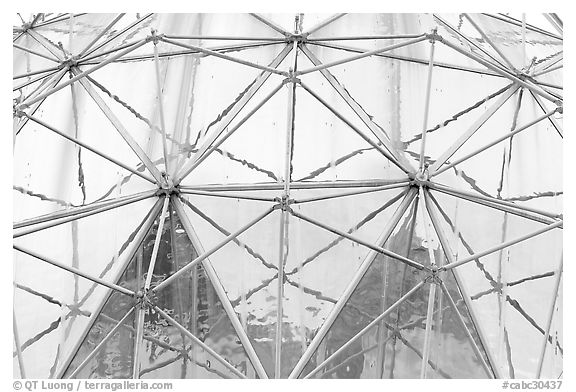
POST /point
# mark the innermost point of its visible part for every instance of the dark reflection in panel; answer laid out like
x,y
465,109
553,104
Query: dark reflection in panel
x,y
115,358
168,353
192,301
451,347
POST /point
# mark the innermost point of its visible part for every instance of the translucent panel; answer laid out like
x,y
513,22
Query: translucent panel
x,y
306,22
167,360
381,353
24,62
115,357
74,34
64,300
499,170
323,140
73,111
452,351
378,353
246,269
518,45
192,107
507,286
234,160
239,145
211,27
552,362
192,300
317,267
351,25
43,184
363,215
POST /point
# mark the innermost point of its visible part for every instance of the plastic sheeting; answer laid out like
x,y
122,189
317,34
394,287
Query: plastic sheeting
x,y
300,205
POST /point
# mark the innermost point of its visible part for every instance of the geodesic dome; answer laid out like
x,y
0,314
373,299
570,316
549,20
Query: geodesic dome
x,y
295,195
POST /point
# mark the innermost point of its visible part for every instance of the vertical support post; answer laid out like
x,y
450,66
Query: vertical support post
x,y
284,219
429,314
427,102
160,104
141,312
432,292
550,317
154,255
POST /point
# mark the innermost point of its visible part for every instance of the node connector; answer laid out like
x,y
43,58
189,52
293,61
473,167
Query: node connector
x,y
433,36
70,61
291,78
434,276
154,37
559,106
420,178
283,203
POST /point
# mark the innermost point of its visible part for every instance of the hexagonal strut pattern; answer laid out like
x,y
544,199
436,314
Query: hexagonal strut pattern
x,y
275,196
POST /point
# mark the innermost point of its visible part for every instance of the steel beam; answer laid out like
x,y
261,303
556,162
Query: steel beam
x,y
84,214
161,108
426,109
101,34
476,196
84,145
35,53
270,24
102,343
354,128
362,55
18,346
493,143
347,293
75,271
472,130
489,41
132,25
366,328
207,254
322,24
274,186
501,246
121,129
74,211
198,159
376,130
402,184
145,226
255,86
224,57
550,317
508,75
154,256
220,291
428,331
80,75
475,348
199,342
378,249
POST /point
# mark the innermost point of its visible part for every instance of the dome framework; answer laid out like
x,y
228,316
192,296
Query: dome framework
x,y
280,196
